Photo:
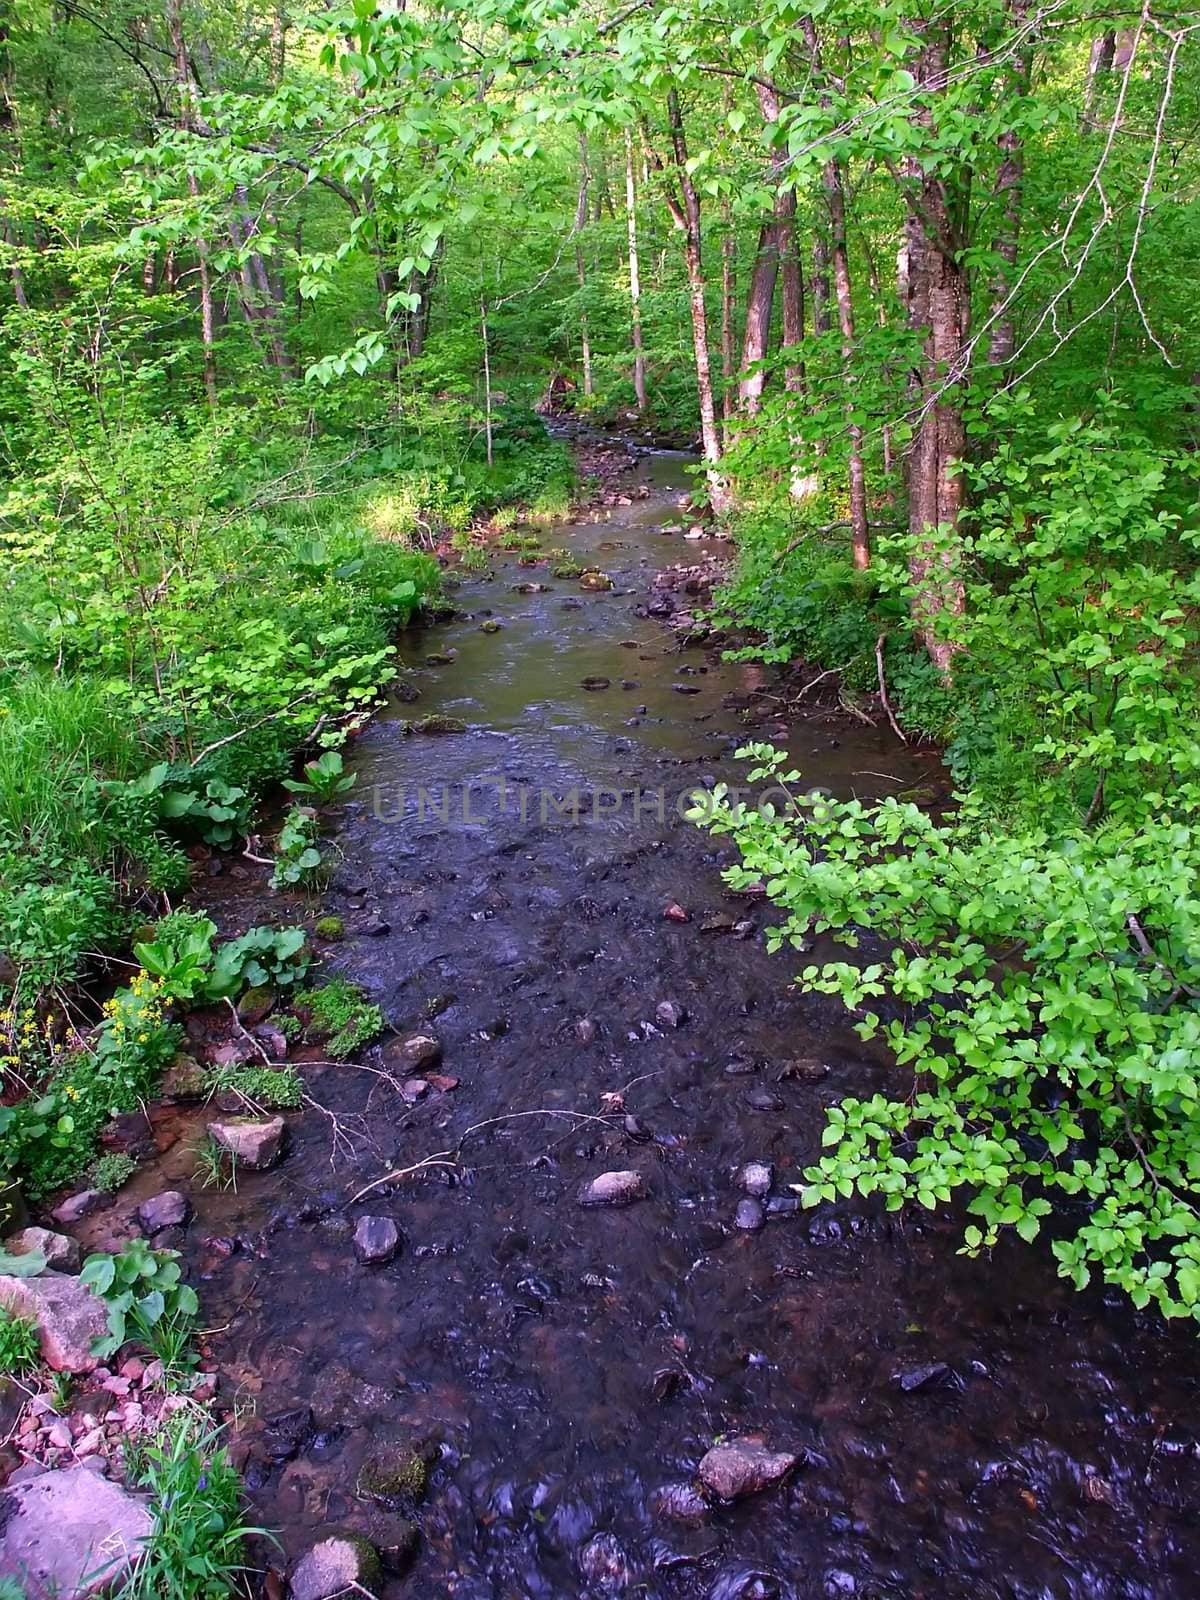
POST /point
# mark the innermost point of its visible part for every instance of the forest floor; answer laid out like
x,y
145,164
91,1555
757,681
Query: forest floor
x,y
523,891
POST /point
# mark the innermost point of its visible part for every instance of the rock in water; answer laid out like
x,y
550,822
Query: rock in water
x,y
60,1253
342,1564
749,1216
171,1209
81,1205
418,1051
70,1534
743,1466
376,1240
614,1189
68,1317
252,1143
756,1178
680,1501
603,1562
670,1013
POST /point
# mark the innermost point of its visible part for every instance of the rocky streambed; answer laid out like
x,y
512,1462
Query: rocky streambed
x,y
528,1302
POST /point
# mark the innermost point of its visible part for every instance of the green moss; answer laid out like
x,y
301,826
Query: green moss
x,y
276,1088
329,928
112,1171
394,1476
342,1015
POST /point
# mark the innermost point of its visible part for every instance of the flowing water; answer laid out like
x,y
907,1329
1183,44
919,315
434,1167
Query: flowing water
x,y
965,1428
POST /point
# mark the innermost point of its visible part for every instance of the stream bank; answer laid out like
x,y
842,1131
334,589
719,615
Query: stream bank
x,y
603,1005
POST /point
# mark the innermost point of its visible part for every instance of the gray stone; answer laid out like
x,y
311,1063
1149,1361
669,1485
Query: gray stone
x,y
756,1178
343,1563
253,1142
68,1317
81,1205
70,1534
614,1189
744,1466
171,1209
670,1013
749,1216
61,1252
376,1240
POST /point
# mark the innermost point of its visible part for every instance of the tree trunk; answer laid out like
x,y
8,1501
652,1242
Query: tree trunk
x,y
581,217
185,89
835,201
937,300
772,240
1010,178
635,282
728,319
820,283
687,218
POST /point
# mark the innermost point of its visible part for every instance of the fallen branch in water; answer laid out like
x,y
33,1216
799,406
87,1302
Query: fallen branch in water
x,y
453,1157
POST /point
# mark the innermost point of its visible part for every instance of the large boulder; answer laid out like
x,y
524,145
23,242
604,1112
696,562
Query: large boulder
x,y
253,1142
743,1466
60,1252
68,1317
344,1563
70,1534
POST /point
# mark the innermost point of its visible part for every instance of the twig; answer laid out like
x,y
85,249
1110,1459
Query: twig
x,y
883,694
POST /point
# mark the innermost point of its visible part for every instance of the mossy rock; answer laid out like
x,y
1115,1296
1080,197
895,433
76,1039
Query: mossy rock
x,y
438,725
490,626
595,580
396,1475
568,569
329,928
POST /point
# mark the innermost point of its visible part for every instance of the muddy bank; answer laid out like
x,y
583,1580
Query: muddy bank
x,y
604,1005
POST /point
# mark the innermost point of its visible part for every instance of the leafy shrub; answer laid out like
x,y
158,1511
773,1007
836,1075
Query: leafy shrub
x,y
323,779
1068,1074
145,1299
297,856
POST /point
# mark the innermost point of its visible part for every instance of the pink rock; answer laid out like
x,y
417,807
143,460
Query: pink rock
x,y
68,1317
71,1533
253,1143
134,1369
743,1466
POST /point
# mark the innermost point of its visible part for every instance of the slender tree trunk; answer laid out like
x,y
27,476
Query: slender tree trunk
x,y
937,298
9,147
835,201
487,378
581,217
881,317
635,282
772,242
687,218
1010,177
820,283
185,89
728,320
802,485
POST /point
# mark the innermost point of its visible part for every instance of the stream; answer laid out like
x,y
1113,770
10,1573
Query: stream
x,y
964,1428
